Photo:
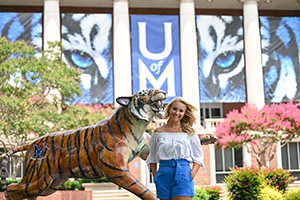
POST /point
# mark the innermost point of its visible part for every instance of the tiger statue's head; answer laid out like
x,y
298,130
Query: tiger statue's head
x,y
145,104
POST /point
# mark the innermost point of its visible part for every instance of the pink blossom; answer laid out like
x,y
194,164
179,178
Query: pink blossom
x,y
272,119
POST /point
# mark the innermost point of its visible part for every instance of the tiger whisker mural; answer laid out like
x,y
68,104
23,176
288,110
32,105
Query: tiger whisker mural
x,y
100,150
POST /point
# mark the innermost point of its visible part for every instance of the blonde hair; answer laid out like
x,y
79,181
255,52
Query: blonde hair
x,y
189,118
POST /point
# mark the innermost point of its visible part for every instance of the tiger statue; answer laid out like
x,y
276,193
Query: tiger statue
x,y
100,150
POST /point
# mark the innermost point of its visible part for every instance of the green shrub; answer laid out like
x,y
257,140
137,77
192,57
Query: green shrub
x,y
293,195
71,185
77,184
201,194
98,180
68,185
270,193
244,183
101,180
278,178
214,192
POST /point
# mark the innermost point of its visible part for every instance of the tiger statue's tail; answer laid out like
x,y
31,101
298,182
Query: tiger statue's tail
x,y
4,164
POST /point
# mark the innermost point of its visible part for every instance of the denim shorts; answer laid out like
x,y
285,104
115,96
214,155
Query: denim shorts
x,y
173,179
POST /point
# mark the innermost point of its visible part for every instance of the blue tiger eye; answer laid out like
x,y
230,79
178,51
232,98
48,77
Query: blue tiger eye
x,y
82,59
225,60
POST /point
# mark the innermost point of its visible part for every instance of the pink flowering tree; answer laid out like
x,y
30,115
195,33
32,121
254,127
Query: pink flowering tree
x,y
262,131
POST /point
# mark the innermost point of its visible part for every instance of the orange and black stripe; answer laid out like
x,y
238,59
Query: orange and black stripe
x,y
4,166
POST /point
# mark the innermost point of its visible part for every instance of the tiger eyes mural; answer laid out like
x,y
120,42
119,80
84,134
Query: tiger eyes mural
x,y
280,58
26,27
22,26
87,41
221,59
99,150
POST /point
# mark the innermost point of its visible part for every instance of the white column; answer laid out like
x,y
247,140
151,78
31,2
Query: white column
x,y
143,168
51,29
278,155
51,22
212,160
247,156
253,61
189,58
122,56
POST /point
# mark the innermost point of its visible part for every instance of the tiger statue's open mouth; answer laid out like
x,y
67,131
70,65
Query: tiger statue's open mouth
x,y
145,104
157,104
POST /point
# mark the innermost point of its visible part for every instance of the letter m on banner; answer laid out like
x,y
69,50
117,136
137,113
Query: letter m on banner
x,y
156,54
167,74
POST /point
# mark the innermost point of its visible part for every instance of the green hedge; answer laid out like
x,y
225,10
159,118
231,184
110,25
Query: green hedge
x,y
77,184
277,177
293,194
201,194
9,181
68,185
244,183
208,193
214,192
270,193
247,182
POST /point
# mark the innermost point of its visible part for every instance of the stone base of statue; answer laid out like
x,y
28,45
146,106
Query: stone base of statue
x,y
100,186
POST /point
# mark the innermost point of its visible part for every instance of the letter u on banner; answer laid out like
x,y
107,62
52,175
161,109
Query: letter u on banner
x,y
155,53
143,45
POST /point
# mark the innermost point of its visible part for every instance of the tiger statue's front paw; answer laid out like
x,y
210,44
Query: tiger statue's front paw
x,y
207,139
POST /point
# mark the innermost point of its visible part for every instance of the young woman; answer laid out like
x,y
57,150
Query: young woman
x,y
176,145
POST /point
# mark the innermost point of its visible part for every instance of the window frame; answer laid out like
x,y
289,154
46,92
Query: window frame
x,y
288,156
224,171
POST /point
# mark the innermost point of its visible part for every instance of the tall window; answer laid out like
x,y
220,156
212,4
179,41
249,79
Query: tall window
x,y
9,166
9,169
290,158
226,158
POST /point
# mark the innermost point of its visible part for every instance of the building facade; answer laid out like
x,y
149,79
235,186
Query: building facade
x,y
218,54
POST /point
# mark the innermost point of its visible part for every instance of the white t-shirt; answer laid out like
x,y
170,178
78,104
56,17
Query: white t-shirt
x,y
167,146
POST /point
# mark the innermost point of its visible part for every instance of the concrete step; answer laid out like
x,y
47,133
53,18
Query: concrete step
x,y
110,193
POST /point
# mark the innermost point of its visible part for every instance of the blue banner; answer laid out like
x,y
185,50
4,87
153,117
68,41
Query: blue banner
x,y
156,54
280,41
221,59
87,41
23,26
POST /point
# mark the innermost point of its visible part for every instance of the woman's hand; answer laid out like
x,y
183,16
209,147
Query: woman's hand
x,y
194,170
192,175
153,167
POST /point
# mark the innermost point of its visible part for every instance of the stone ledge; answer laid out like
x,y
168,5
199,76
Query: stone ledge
x,y
100,186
